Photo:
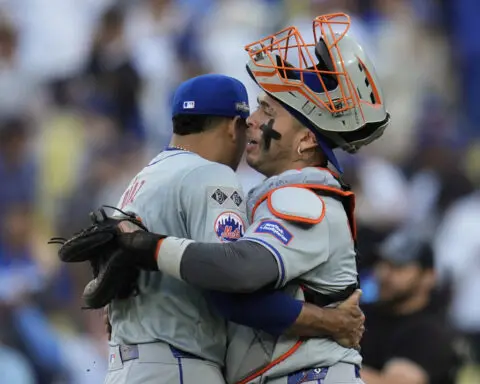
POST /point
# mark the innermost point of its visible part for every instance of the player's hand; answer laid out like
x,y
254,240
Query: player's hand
x,y
344,323
350,320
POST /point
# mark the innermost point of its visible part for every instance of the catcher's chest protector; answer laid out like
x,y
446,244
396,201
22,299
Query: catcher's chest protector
x,y
297,205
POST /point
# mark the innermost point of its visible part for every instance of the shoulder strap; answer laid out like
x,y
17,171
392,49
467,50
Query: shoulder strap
x,y
347,198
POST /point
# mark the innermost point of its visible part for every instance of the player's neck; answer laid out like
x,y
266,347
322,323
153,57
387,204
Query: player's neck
x,y
288,166
196,143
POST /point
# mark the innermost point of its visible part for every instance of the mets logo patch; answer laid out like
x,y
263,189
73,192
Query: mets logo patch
x,y
275,229
229,227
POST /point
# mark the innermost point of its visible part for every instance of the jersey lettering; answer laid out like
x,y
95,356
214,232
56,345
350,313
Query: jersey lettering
x,y
131,193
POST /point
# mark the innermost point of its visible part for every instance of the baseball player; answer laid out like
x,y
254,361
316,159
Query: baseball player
x,y
302,233
170,333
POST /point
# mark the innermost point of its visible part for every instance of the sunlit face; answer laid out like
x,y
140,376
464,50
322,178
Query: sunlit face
x,y
277,158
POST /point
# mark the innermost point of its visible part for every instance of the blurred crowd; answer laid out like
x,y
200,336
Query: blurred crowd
x,y
85,90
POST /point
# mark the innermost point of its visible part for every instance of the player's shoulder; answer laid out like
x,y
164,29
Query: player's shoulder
x,y
205,165
205,172
182,167
295,204
215,182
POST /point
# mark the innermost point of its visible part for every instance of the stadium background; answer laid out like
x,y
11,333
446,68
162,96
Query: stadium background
x,y
85,87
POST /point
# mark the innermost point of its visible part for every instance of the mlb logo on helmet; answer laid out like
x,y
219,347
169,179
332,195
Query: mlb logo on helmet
x,y
188,104
242,107
229,227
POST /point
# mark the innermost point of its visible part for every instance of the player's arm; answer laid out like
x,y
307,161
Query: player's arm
x,y
278,313
273,251
249,265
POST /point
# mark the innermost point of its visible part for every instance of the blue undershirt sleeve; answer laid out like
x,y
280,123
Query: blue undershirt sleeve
x,y
270,311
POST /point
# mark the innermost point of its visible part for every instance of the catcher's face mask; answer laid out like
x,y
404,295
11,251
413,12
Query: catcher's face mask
x,y
326,81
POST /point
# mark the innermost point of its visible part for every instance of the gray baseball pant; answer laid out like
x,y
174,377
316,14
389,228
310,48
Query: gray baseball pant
x,y
340,373
159,363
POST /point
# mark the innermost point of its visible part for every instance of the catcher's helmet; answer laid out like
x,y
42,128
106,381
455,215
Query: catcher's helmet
x,y
330,85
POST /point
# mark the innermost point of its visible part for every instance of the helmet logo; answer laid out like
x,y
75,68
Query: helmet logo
x,y
337,104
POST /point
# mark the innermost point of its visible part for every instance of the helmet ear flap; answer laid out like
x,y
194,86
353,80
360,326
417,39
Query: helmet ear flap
x,y
289,72
325,62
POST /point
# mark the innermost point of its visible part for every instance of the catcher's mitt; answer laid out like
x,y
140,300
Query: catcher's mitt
x,y
115,274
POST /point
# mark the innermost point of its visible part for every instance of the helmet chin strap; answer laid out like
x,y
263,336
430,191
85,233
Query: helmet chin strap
x,y
269,133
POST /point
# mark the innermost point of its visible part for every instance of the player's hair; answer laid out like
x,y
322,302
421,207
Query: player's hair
x,y
190,124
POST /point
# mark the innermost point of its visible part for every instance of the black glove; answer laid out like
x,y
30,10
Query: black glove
x,y
115,267
135,251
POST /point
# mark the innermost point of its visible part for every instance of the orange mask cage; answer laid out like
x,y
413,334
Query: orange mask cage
x,y
288,43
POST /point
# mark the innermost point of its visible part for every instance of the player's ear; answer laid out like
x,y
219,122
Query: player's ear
x,y
307,140
236,128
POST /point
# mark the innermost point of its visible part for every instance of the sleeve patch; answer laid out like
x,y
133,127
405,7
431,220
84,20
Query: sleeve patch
x,y
229,227
227,198
275,229
236,198
219,196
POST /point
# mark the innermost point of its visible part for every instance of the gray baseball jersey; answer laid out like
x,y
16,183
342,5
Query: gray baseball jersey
x,y
312,242
184,195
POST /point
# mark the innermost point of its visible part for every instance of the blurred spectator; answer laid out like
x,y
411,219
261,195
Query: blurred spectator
x,y
61,144
114,80
457,246
65,38
22,282
227,29
407,340
164,40
463,27
19,90
14,367
436,181
17,164
382,192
